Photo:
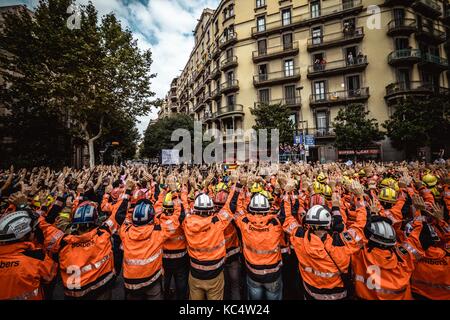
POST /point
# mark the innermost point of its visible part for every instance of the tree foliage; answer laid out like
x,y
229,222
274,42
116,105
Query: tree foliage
x,y
274,116
354,129
417,122
158,135
84,77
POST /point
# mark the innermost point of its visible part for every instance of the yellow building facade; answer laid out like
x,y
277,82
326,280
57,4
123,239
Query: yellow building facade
x,y
314,56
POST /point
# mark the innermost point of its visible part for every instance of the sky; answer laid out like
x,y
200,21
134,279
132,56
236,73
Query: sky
x,y
164,26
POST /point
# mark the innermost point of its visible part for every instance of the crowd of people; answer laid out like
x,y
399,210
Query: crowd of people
x,y
259,231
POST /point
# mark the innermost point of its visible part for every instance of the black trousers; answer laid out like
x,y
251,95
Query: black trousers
x,y
152,292
179,272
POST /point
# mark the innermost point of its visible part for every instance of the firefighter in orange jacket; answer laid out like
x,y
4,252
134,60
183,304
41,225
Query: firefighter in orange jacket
x,y
261,241
24,268
142,241
323,247
382,268
204,231
431,279
85,254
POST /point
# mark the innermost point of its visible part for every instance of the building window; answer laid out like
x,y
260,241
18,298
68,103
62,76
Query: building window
x,y
260,3
286,17
261,24
322,122
289,94
229,54
399,16
319,91
287,41
403,77
216,26
353,86
315,9
230,78
262,47
231,100
289,68
401,43
317,36
348,4
231,11
264,96
262,72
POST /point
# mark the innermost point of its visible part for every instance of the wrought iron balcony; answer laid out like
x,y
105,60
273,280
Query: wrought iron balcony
x,y
229,86
408,88
227,39
339,97
274,78
294,102
327,13
228,63
335,39
434,63
276,52
431,35
230,110
404,57
337,67
428,7
402,27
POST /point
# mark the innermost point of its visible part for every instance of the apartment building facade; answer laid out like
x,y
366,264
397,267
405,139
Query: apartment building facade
x,y
314,56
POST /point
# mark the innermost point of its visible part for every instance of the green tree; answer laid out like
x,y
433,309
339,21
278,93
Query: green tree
x,y
81,75
418,122
158,134
275,116
354,129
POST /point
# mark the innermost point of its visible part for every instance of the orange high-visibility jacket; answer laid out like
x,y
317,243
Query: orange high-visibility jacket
x,y
431,277
385,274
206,240
320,275
86,261
143,249
23,270
261,242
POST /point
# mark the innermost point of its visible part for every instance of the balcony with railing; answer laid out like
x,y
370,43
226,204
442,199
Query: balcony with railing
x,y
324,14
228,63
294,102
208,116
404,57
427,7
214,50
199,88
173,97
336,39
229,86
265,54
429,34
433,63
274,78
322,133
337,67
215,73
399,89
208,96
339,97
402,27
230,110
216,94
227,40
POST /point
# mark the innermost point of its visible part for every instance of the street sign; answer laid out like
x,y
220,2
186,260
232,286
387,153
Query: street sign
x,y
170,157
298,139
309,140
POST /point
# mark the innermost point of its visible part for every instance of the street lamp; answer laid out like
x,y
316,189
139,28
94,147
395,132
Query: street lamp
x,y
299,89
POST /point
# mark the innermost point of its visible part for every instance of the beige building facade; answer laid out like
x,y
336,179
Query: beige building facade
x,y
314,56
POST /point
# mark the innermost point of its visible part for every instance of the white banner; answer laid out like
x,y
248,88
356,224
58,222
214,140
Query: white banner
x,y
170,157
